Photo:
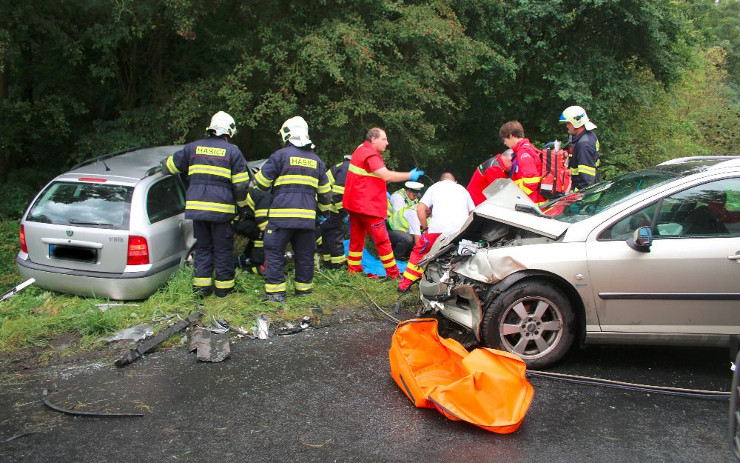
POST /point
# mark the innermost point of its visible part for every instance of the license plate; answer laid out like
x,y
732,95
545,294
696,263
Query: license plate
x,y
74,253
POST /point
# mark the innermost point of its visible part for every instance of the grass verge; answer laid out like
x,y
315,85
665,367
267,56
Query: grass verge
x,y
35,318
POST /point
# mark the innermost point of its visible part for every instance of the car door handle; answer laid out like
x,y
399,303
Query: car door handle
x,y
734,257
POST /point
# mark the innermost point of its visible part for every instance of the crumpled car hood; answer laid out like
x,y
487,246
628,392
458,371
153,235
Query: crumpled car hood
x,y
506,205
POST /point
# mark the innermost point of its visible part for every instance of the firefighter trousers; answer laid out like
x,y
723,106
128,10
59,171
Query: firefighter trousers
x,y
332,234
303,241
213,250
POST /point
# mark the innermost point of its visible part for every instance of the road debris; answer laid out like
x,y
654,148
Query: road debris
x,y
134,333
237,329
56,408
210,346
262,330
150,343
13,291
104,307
290,328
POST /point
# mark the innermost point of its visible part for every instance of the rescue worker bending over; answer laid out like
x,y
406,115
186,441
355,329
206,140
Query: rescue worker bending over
x,y
408,196
298,177
526,169
583,146
404,231
491,170
218,178
451,204
332,229
251,223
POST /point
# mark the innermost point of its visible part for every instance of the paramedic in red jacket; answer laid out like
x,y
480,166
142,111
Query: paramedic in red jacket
x,y
366,201
491,170
526,170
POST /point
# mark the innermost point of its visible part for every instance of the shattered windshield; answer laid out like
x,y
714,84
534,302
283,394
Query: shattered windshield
x,y
596,198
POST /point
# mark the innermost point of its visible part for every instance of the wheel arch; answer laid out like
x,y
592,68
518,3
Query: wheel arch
x,y
579,309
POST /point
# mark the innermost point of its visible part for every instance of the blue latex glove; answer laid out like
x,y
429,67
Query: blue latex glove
x,y
415,174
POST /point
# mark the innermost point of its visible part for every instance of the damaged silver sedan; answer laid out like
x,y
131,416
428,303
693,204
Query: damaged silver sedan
x,y
652,257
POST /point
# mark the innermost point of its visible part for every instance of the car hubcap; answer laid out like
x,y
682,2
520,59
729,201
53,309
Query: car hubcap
x,y
531,327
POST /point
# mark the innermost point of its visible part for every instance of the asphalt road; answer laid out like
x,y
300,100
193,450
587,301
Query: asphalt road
x,y
327,395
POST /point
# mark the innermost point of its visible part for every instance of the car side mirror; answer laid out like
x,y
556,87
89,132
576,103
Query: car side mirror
x,y
642,239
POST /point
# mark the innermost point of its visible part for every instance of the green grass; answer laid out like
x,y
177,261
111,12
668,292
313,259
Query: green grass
x,y
33,317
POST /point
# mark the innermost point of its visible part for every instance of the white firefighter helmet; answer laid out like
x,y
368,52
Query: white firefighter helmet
x,y
222,124
295,130
577,116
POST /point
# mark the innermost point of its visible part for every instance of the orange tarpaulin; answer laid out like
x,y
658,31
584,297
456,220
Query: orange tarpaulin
x,y
485,387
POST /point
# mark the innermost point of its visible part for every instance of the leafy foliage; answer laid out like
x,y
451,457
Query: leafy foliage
x,y
78,79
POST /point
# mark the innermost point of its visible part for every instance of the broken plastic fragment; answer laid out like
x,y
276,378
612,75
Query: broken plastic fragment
x,y
263,327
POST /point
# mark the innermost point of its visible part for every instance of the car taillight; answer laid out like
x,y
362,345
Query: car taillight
x,y
22,235
138,251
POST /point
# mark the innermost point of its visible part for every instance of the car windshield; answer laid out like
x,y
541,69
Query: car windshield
x,y
596,198
95,205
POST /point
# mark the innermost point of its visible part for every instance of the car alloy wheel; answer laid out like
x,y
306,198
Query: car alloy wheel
x,y
532,320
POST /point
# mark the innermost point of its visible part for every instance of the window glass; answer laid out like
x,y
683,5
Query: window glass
x,y
594,199
708,210
97,205
626,227
165,199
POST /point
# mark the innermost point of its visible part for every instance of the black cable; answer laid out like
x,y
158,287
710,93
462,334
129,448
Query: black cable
x,y
675,391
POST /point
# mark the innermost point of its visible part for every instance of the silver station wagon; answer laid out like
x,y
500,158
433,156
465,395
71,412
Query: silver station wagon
x,y
112,227
651,257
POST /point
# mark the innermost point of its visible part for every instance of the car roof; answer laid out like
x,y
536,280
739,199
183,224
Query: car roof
x,y
697,163
135,163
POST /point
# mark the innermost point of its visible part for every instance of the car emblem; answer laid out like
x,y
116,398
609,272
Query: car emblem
x,y
70,233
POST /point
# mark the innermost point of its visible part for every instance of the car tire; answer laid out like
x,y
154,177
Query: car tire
x,y
190,257
533,320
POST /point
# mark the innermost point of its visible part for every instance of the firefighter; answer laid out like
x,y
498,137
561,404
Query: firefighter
x,y
452,205
332,228
584,147
526,169
365,199
298,179
408,196
252,221
218,178
491,170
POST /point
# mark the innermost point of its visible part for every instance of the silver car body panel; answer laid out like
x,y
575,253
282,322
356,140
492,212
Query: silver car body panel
x,y
685,306
103,270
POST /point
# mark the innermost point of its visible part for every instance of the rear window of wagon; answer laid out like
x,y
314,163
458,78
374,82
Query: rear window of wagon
x,y
95,205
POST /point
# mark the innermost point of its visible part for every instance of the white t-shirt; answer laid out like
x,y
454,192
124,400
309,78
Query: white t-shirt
x,y
413,219
450,203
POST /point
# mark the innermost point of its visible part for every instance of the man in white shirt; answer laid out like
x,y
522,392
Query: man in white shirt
x,y
449,205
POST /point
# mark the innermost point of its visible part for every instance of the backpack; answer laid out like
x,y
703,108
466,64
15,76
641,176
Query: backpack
x,y
555,173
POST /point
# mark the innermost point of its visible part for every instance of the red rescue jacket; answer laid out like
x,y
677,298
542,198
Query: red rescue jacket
x,y
365,192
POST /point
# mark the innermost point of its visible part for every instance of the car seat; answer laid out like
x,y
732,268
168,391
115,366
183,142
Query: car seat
x,y
702,221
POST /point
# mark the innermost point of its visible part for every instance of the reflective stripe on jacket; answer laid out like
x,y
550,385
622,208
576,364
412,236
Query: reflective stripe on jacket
x,y
526,170
298,178
584,160
217,178
365,192
398,222
338,177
